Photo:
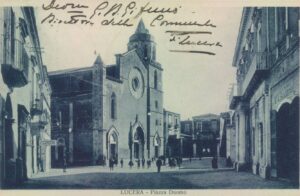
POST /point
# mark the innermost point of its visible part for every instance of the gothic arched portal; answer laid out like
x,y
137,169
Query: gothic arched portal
x,y
138,143
112,144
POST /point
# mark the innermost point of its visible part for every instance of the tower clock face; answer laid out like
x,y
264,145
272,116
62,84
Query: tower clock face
x,y
136,83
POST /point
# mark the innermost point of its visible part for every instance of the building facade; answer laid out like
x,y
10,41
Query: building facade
x,y
186,138
172,134
110,111
206,134
266,103
24,98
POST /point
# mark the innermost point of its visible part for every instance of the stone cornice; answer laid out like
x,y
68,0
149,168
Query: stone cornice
x,y
242,31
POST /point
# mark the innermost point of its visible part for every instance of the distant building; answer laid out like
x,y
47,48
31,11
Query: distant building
x,y
266,103
25,130
110,112
171,133
186,138
206,134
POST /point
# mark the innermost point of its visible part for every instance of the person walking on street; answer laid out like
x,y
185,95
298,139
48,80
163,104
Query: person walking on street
x,y
214,162
121,162
130,164
65,164
148,163
143,163
111,164
158,164
138,163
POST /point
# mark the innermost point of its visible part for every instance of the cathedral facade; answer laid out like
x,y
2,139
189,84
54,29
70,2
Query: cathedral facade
x,y
110,111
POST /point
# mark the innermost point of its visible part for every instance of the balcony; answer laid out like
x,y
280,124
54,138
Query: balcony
x,y
234,97
257,71
44,118
36,107
15,74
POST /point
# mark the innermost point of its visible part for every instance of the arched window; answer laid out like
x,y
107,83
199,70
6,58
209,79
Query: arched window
x,y
113,105
155,79
145,52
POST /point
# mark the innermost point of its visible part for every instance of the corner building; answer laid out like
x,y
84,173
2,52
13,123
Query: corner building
x,y
110,111
24,99
266,103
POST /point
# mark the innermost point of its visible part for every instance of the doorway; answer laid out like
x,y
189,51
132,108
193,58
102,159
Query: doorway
x,y
288,141
113,146
139,143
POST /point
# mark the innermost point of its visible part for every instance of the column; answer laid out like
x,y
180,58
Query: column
x,y
194,150
241,137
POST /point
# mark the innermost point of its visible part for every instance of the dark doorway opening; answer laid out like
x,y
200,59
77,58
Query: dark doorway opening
x,y
288,141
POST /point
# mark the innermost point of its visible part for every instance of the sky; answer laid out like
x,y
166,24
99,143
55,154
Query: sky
x,y
193,83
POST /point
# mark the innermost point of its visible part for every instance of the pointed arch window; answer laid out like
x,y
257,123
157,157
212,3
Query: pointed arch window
x,y
155,80
145,52
113,106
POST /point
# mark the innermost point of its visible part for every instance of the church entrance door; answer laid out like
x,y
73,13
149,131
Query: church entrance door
x,y
113,146
139,143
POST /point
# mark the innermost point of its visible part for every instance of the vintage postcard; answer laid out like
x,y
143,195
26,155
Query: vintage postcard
x,y
146,97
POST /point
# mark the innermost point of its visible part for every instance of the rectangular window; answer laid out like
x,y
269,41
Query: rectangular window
x,y
261,139
259,38
281,22
156,104
187,128
12,34
293,16
157,122
170,119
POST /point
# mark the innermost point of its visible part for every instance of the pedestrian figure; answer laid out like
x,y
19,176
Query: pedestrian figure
x,y
40,165
121,163
214,163
111,164
149,163
64,164
143,163
158,164
130,164
190,159
178,162
115,162
138,163
229,162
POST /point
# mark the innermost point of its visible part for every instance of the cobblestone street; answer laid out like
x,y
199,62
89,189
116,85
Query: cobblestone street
x,y
98,177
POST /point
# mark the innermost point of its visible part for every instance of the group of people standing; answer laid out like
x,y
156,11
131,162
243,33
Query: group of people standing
x,y
139,163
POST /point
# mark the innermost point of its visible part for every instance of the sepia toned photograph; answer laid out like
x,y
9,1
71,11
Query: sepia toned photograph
x,y
148,97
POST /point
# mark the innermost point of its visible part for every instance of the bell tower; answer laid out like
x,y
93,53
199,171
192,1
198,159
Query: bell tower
x,y
143,42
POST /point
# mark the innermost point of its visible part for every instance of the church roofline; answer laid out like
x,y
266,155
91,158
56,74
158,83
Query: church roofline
x,y
141,28
70,70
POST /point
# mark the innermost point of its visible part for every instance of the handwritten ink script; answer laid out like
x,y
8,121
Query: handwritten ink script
x,y
124,14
